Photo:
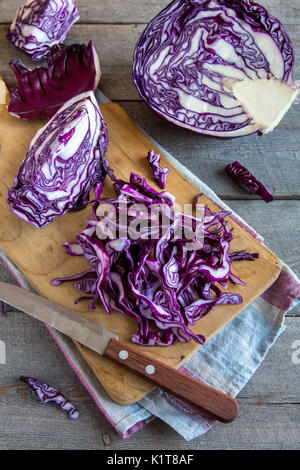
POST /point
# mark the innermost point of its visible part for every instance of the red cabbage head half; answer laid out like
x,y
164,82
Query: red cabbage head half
x,y
40,24
63,163
222,68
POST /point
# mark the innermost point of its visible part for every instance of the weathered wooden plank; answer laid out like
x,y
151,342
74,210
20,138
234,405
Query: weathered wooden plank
x,y
141,11
269,403
269,407
127,141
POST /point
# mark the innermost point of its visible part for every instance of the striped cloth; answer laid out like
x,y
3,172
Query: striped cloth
x,y
226,362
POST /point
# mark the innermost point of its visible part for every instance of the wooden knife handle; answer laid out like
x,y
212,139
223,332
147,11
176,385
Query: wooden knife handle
x,y
210,401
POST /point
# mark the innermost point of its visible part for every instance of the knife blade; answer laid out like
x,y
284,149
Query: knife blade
x,y
212,402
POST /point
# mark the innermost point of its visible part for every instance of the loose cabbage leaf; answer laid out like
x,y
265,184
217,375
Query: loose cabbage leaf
x,y
71,70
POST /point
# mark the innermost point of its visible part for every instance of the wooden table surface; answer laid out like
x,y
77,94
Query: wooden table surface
x,y
270,403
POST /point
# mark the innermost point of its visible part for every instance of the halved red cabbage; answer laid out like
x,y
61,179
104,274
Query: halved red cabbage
x,y
48,394
40,24
71,70
155,276
247,181
63,163
242,255
221,68
159,174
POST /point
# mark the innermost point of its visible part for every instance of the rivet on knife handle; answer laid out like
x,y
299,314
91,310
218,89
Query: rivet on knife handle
x,y
210,401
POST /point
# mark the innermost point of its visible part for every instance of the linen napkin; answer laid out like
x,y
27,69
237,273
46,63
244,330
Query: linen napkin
x,y
226,362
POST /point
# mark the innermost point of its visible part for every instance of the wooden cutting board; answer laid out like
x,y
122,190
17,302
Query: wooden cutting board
x,y
39,254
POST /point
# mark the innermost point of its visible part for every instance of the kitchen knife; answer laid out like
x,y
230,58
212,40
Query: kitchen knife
x,y
210,401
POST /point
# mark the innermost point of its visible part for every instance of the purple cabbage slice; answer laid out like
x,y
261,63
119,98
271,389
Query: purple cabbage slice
x,y
247,181
154,276
63,163
48,394
41,24
221,68
159,174
71,70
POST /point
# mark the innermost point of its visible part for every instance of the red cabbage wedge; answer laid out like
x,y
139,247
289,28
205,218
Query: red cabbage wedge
x,y
41,24
222,68
71,70
63,163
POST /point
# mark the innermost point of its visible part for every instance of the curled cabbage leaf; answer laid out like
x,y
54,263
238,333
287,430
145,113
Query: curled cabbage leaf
x,y
40,24
222,68
63,163
71,70
159,174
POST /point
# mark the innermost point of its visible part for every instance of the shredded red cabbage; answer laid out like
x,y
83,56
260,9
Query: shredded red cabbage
x,y
159,174
47,394
3,308
247,181
151,274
